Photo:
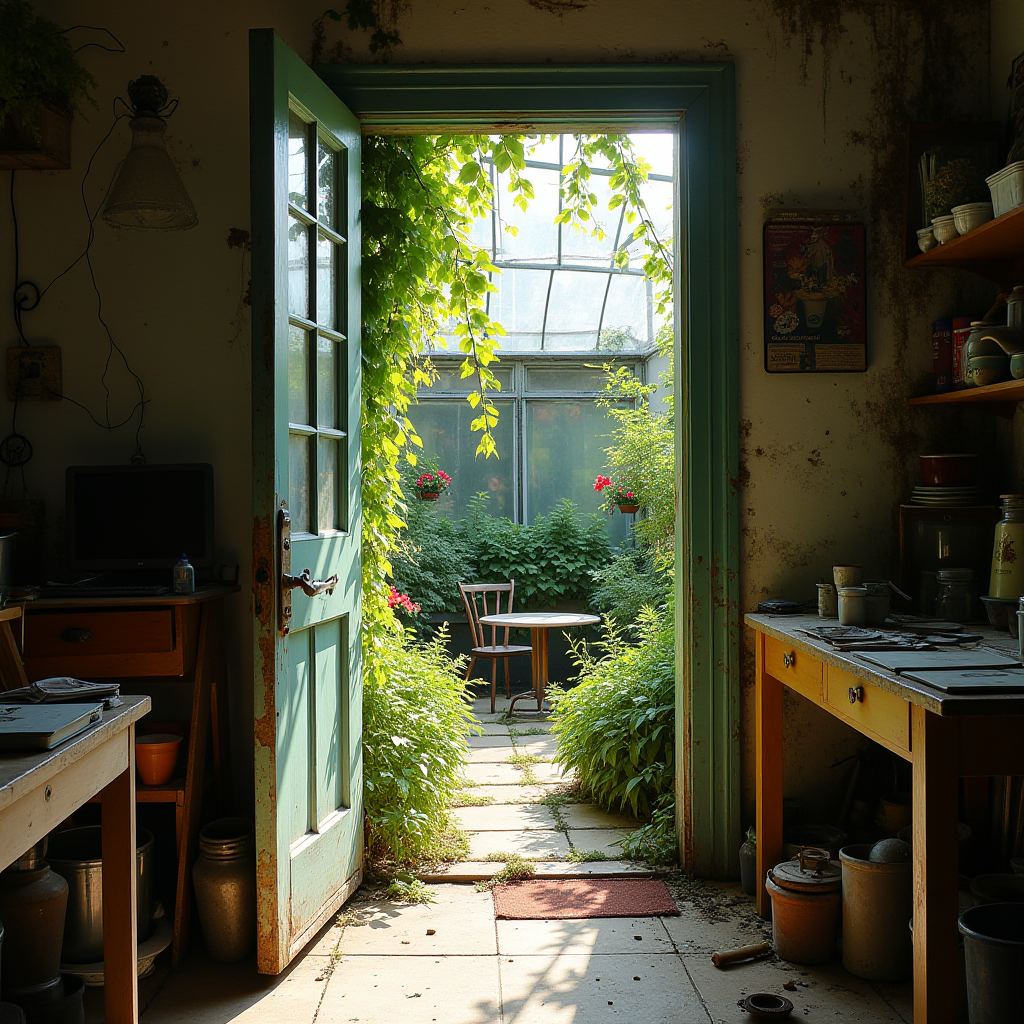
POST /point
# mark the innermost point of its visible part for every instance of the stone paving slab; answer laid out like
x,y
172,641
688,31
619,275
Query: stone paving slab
x,y
600,839
482,742
490,755
510,794
527,843
490,774
714,916
493,729
506,818
585,989
547,772
595,935
588,816
411,990
540,746
824,992
461,918
480,871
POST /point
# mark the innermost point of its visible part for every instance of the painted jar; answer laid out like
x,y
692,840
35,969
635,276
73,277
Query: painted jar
x,y
957,596
1007,579
225,882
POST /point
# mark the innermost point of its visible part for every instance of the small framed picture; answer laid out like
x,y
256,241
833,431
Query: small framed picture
x,y
814,293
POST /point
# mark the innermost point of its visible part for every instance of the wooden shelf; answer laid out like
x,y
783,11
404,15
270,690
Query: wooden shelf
x,y
995,250
1001,398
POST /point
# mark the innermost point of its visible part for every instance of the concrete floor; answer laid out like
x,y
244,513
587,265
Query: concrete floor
x,y
377,964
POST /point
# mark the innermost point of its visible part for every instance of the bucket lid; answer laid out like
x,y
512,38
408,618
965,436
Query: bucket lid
x,y
811,870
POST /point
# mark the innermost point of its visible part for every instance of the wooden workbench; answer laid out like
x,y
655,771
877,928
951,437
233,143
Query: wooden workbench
x,y
943,736
39,790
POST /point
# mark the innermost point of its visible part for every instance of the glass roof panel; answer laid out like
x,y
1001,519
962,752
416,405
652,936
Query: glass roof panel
x,y
574,310
518,305
625,327
583,246
537,238
545,152
658,149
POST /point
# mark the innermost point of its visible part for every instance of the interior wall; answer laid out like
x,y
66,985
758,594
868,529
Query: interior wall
x,y
825,459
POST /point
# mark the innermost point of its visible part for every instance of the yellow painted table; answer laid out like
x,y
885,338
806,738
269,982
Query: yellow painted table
x,y
943,736
39,790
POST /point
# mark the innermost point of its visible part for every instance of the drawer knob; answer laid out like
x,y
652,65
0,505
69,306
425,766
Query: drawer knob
x,y
76,635
789,660
856,694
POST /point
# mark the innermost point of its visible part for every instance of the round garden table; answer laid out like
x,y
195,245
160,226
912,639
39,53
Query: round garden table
x,y
538,623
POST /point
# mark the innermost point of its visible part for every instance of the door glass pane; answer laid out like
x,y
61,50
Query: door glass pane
x,y
298,482
565,443
298,375
444,427
326,382
328,475
298,268
327,161
298,132
326,282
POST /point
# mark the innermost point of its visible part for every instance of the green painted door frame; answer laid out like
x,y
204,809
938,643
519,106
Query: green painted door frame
x,y
698,100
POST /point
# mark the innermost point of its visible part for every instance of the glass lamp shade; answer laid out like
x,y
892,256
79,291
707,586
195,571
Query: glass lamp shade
x,y
148,193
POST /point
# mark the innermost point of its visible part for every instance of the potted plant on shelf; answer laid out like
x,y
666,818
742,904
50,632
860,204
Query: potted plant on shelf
x,y
432,483
955,184
621,496
42,86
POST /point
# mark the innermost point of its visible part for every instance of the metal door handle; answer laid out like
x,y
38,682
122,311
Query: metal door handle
x,y
856,694
76,635
309,586
789,660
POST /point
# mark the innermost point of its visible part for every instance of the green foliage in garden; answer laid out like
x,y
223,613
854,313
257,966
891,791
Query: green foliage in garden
x,y
416,714
616,727
631,579
38,66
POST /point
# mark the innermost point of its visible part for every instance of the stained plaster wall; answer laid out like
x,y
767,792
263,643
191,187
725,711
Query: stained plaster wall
x,y
825,459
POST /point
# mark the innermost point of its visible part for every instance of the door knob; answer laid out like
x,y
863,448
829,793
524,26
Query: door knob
x,y
309,586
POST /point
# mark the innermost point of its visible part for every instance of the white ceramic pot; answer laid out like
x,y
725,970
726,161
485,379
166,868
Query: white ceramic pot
x,y
944,229
926,240
853,606
970,216
847,575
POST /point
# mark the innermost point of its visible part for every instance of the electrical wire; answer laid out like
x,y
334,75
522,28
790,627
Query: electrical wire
x,y
25,301
97,28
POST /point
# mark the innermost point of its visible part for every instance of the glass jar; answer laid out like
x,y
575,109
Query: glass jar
x,y
957,596
1007,579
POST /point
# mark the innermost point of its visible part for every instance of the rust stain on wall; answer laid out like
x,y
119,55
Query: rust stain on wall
x,y
558,6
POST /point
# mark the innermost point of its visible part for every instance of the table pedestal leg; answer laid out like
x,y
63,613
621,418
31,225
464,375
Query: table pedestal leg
x,y
120,992
538,668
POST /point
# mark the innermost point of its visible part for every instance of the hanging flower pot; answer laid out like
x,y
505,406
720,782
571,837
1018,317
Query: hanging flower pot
x,y
622,496
431,484
630,509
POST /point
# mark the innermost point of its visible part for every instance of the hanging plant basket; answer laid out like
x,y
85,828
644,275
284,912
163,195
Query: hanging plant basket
x,y
630,509
48,148
429,497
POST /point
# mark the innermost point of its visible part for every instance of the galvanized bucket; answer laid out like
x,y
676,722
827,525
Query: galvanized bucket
x,y
77,855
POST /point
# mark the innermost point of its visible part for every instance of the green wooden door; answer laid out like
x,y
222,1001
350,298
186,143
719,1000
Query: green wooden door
x,y
304,180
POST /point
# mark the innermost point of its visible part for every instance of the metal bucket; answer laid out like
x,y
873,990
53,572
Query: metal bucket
x,y
994,946
877,903
77,855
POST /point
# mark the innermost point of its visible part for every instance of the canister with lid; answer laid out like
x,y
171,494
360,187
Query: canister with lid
x,y
956,596
806,895
1007,579
853,606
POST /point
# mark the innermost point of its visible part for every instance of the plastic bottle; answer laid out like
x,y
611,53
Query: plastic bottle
x,y
184,577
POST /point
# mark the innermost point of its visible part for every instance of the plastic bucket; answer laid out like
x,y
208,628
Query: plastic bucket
x,y
805,925
77,855
994,947
877,903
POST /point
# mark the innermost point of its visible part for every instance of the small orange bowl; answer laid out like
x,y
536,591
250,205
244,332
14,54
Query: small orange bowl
x,y
156,755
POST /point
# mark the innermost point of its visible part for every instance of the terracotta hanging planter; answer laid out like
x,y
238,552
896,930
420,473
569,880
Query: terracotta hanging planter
x,y
429,497
21,149
629,508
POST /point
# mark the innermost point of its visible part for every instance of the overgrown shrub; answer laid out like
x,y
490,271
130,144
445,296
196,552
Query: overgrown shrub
x,y
629,580
416,714
616,727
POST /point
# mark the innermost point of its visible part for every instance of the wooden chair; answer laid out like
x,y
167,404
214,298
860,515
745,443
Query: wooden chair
x,y
472,593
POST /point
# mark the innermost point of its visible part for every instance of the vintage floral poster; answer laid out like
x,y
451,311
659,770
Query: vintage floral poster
x,y
814,294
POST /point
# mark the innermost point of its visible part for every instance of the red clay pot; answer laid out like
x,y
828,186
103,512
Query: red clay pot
x,y
156,755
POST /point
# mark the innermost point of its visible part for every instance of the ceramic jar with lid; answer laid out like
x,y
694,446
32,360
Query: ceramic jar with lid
x,y
957,597
1007,579
853,606
807,899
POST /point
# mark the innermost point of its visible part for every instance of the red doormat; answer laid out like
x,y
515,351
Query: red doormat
x,y
560,899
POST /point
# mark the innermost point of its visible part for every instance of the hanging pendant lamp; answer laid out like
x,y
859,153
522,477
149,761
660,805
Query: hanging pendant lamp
x,y
149,194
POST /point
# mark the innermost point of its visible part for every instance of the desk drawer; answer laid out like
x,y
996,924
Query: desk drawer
x,y
875,712
101,644
796,669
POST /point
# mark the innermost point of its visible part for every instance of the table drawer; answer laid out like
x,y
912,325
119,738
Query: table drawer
x,y
796,669
102,644
873,711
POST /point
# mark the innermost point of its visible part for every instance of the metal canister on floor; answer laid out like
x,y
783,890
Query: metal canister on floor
x,y
806,902
877,904
225,884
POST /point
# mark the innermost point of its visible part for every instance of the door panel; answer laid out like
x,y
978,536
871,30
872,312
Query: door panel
x,y
306,514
